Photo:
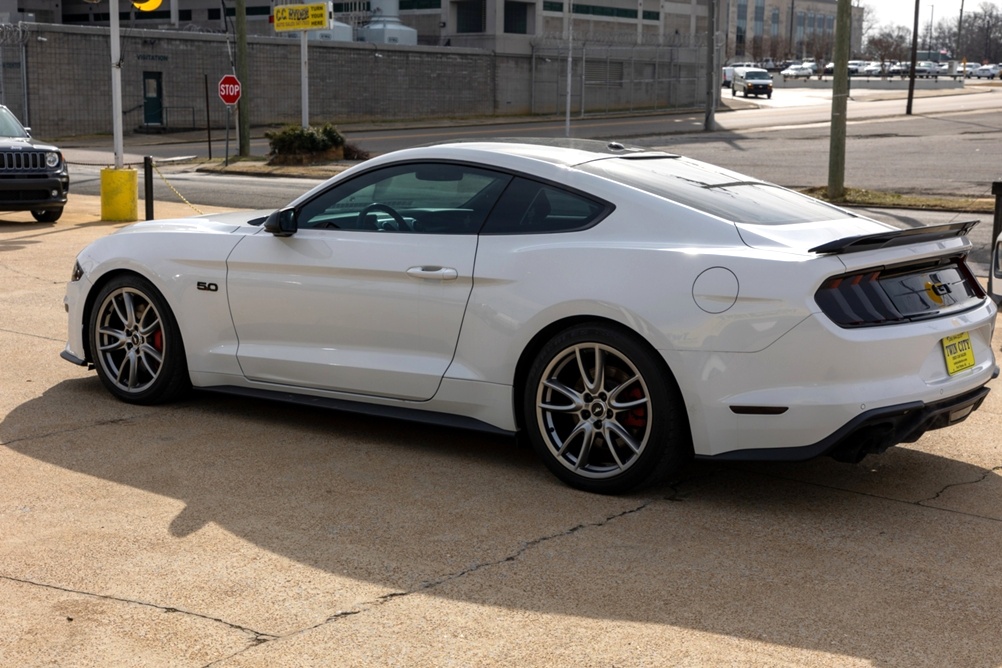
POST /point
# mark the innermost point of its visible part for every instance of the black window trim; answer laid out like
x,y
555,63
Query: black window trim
x,y
608,207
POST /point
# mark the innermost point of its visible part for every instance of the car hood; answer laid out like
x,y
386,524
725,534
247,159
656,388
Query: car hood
x,y
211,223
17,143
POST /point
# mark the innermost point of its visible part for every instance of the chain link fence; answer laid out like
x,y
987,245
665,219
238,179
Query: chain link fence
x,y
13,38
607,76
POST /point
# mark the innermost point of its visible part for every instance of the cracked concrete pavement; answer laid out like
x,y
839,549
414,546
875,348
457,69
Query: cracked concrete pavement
x,y
227,532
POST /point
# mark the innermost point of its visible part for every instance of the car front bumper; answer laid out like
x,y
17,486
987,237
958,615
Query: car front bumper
x,y
30,194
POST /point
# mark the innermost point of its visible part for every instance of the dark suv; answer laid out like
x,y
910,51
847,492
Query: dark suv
x,y
33,175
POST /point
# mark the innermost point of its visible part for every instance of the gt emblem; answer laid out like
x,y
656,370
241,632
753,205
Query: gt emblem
x,y
937,291
209,287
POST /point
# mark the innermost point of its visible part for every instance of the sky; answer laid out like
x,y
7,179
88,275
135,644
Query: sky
x,y
902,12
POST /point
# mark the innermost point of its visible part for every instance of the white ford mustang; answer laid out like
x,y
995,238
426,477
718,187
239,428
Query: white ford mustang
x,y
624,309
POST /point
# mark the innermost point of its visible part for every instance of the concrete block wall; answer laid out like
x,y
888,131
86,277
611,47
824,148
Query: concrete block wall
x,y
68,73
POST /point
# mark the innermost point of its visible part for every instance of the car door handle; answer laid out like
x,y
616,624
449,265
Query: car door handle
x,y
433,273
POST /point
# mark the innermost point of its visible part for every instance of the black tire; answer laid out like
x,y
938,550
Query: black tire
x,y
47,215
615,431
135,343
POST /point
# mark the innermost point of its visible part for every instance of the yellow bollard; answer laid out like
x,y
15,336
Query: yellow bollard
x,y
119,195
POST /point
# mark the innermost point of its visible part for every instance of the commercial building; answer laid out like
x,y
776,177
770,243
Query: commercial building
x,y
748,29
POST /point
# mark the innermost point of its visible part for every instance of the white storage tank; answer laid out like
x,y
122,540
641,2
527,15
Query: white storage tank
x,y
385,26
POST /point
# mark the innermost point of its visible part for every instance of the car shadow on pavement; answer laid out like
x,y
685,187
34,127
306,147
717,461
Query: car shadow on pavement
x,y
872,560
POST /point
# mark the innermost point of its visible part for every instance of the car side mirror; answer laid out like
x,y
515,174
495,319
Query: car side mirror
x,y
282,223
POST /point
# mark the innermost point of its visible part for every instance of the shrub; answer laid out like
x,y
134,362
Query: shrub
x,y
297,140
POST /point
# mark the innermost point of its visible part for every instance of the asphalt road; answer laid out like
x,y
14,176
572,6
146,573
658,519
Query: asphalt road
x,y
948,146
789,107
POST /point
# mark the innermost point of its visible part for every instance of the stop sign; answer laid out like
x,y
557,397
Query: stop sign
x,y
229,89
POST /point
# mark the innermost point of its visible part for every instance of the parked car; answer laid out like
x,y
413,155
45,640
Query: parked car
x,y
797,72
900,69
969,68
926,69
875,69
986,72
624,309
854,67
752,81
726,76
33,175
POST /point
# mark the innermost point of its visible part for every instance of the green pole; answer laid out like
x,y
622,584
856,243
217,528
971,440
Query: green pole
x,y
243,104
840,99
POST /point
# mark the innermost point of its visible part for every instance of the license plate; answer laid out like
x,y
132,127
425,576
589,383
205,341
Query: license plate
x,y
958,352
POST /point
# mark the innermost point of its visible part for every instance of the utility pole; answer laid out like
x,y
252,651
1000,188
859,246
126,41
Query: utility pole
x,y
840,98
712,84
960,35
911,68
243,117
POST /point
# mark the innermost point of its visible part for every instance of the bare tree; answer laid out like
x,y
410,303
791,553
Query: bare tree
x,y
868,20
820,46
890,43
979,36
944,37
986,36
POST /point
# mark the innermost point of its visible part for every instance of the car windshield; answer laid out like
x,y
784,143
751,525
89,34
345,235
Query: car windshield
x,y
716,192
757,75
9,125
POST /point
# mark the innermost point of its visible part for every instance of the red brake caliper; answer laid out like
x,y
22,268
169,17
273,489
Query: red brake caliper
x,y
636,418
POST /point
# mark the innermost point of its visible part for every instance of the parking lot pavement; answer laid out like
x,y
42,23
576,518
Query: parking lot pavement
x,y
232,532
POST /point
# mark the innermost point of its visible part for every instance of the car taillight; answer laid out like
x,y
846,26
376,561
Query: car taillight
x,y
884,296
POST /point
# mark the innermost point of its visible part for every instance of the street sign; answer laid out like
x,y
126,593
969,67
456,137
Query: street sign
x,y
315,16
229,89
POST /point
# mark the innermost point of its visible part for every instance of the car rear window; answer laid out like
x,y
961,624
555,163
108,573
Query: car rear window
x,y
716,192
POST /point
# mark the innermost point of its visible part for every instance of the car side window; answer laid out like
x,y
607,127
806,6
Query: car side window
x,y
427,198
531,207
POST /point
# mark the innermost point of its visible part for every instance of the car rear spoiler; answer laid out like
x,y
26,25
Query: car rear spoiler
x,y
911,235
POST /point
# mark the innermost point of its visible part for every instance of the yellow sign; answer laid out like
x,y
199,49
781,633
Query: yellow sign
x,y
315,16
147,6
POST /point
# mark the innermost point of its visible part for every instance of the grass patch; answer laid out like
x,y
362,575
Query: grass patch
x,y
878,198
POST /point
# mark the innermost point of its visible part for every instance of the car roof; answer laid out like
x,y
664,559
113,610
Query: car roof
x,y
553,150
